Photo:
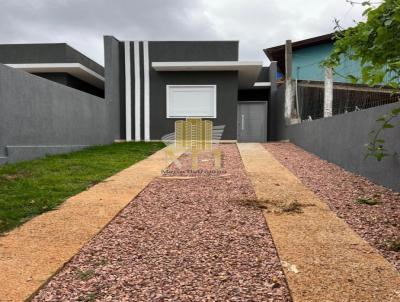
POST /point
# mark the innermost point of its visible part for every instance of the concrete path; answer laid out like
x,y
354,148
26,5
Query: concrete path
x,y
323,258
32,253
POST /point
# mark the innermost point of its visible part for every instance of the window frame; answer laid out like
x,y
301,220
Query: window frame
x,y
168,89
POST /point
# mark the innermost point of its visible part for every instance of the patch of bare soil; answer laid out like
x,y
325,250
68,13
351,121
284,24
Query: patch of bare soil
x,y
373,211
184,238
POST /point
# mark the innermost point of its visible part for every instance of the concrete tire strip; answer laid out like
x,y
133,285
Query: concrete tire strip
x,y
323,258
32,253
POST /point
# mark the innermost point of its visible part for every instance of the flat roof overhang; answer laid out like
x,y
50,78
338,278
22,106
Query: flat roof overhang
x,y
261,85
248,70
75,69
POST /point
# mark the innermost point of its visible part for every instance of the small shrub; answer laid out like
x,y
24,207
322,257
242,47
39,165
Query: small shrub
x,y
367,201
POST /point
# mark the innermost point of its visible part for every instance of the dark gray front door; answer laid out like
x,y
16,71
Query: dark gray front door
x,y
252,122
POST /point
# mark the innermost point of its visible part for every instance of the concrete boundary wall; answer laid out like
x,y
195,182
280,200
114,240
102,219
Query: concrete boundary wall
x,y
341,140
39,117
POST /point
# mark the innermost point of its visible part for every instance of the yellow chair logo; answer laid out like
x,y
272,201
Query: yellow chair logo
x,y
194,136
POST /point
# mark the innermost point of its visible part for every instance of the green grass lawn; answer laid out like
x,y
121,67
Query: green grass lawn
x,y
32,187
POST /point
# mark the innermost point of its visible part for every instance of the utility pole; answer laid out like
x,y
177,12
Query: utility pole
x,y
273,102
288,82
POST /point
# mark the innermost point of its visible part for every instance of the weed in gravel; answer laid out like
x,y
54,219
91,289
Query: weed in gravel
x,y
275,282
367,201
292,207
278,207
89,298
85,275
261,204
102,261
393,245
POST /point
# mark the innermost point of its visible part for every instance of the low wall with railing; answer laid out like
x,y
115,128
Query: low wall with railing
x,y
345,98
341,139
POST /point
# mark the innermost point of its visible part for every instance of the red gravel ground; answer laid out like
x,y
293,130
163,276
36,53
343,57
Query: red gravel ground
x,y
189,239
378,224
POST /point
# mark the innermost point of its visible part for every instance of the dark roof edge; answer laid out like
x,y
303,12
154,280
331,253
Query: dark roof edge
x,y
85,56
301,43
236,41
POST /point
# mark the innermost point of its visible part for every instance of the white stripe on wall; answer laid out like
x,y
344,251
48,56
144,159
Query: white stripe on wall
x,y
146,90
137,90
128,99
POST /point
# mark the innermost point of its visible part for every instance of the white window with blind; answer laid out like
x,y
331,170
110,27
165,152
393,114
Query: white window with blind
x,y
191,101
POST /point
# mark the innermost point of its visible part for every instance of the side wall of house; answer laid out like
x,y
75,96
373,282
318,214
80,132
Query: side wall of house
x,y
341,140
40,117
168,51
307,64
114,85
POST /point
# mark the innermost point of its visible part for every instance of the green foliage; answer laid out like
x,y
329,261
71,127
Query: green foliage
x,y
375,43
376,147
367,201
32,187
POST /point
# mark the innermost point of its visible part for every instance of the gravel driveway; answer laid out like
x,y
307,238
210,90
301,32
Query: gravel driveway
x,y
182,239
378,224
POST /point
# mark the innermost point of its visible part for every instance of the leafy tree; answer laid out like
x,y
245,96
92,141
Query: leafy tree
x,y
375,43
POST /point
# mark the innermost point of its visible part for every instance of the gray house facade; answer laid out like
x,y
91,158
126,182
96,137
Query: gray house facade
x,y
49,103
158,82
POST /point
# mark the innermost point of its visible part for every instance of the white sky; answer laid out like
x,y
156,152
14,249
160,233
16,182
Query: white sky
x,y
257,24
